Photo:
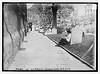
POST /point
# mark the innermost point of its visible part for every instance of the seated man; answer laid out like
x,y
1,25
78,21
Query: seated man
x,y
65,40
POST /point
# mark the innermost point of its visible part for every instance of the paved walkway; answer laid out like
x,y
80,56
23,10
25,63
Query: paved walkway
x,y
41,53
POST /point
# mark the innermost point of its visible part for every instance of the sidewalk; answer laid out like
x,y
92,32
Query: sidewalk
x,y
84,51
41,54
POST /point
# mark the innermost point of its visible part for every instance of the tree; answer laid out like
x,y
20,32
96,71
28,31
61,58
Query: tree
x,y
46,17
64,14
48,13
41,13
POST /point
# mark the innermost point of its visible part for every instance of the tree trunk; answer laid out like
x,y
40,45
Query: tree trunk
x,y
54,10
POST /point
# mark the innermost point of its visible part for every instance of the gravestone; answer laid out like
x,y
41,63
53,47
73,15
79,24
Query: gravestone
x,y
33,28
41,30
48,32
76,36
54,31
37,28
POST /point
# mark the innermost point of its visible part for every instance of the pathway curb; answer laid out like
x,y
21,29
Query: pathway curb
x,y
74,55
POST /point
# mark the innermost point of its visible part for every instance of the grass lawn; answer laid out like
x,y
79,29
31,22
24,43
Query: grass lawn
x,y
79,49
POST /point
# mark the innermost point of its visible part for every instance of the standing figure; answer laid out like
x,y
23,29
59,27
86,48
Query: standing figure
x,y
30,25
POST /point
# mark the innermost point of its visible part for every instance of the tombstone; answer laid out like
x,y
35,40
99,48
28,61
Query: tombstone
x,y
41,30
54,31
48,32
76,36
37,28
33,28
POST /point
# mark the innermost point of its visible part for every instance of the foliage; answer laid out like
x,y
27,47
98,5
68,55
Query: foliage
x,y
37,8
64,13
41,14
46,17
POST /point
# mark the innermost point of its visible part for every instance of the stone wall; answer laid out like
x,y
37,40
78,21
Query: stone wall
x,y
13,33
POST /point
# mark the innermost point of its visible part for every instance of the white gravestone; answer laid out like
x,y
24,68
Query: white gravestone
x,y
48,32
37,28
41,30
76,36
54,31
33,28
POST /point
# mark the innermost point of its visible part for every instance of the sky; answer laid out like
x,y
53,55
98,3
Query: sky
x,y
80,8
